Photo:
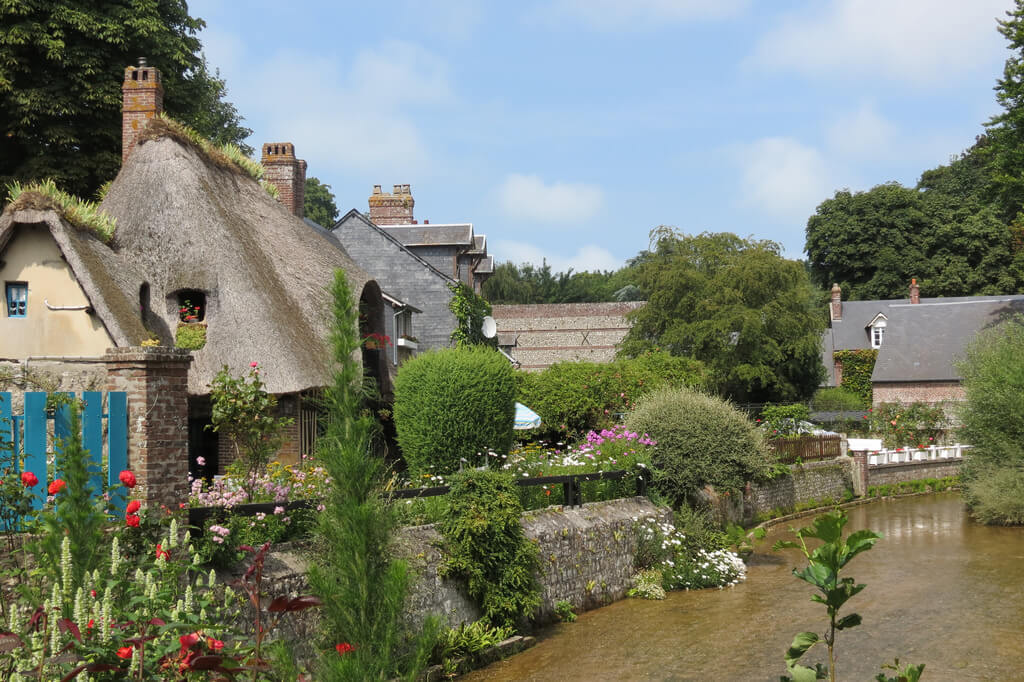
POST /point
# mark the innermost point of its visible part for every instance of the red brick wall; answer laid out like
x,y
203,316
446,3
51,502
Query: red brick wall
x,y
156,381
391,208
142,99
287,173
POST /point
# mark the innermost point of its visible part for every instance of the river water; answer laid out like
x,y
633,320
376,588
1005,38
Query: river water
x,y
941,590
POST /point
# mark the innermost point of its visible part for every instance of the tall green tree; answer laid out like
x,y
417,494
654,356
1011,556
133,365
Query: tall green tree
x,y
945,232
1006,129
318,204
526,283
736,305
61,68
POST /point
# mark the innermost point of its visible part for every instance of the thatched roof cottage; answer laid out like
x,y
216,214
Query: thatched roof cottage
x,y
192,230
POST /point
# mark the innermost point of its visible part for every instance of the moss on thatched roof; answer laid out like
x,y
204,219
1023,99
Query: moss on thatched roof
x,y
226,156
106,278
45,195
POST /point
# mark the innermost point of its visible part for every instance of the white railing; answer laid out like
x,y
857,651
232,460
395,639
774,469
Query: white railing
x,y
912,455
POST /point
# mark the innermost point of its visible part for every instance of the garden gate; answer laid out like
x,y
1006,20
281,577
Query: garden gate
x,y
29,435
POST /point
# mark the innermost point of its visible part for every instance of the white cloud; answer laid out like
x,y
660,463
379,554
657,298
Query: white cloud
x,y
357,116
526,197
863,134
617,15
920,42
587,258
783,177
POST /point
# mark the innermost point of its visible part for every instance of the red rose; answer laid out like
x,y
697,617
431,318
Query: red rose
x,y
344,648
132,520
162,553
124,652
127,478
56,486
215,644
254,364
133,507
28,479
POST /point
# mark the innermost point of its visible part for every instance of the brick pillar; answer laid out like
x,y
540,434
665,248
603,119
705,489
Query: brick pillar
x,y
142,99
156,381
860,472
287,173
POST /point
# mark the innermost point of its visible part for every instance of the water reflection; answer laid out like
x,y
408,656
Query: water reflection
x,y
941,591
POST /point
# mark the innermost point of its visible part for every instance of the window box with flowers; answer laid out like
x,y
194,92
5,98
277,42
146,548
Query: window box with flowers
x,y
375,341
191,333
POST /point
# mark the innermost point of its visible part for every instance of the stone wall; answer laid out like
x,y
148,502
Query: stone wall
x,y
68,374
810,481
885,474
586,558
906,392
544,334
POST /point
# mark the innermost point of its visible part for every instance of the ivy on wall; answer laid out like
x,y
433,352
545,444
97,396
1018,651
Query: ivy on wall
x,y
857,368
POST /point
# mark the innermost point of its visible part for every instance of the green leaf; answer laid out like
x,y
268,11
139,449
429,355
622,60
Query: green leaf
x,y
801,643
849,621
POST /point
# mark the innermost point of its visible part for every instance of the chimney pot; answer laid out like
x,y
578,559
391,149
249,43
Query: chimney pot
x,y
142,62
392,208
836,305
376,189
915,291
142,98
287,173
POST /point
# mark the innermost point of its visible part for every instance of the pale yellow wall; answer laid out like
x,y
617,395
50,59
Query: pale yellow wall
x,y
32,256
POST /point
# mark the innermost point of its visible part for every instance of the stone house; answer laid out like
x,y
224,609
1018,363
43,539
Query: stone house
x,y
415,262
539,335
193,230
918,340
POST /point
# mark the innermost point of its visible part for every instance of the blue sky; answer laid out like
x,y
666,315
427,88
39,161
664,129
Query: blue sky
x,y
568,129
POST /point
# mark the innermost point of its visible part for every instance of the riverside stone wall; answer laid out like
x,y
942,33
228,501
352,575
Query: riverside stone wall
x,y
898,473
810,481
586,558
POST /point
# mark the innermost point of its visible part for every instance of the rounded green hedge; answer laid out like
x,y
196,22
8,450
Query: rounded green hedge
x,y
454,404
575,397
702,440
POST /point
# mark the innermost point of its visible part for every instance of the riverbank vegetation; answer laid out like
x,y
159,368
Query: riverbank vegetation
x,y
993,421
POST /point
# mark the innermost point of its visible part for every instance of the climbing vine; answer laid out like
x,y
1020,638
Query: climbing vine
x,y
857,368
486,545
469,310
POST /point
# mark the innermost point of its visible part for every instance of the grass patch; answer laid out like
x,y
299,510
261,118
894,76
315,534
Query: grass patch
x,y
80,214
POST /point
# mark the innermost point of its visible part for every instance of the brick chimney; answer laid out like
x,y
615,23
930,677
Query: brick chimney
x,y
837,303
287,173
142,99
394,208
915,291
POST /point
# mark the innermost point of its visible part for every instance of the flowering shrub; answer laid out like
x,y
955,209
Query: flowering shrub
x,y
243,411
684,563
280,483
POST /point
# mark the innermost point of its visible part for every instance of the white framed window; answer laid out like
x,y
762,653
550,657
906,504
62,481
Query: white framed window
x,y
877,332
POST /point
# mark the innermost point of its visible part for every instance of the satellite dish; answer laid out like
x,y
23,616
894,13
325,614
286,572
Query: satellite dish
x,y
489,327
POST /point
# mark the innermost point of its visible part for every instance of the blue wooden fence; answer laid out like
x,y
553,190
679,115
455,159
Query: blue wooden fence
x,y
28,435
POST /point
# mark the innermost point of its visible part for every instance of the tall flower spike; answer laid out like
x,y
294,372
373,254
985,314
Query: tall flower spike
x,y
67,575
115,558
108,605
172,534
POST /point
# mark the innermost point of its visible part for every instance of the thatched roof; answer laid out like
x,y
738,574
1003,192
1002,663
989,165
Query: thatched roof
x,y
104,276
190,223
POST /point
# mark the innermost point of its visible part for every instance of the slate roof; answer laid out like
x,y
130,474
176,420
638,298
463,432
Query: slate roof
x,y
922,341
458,234
353,214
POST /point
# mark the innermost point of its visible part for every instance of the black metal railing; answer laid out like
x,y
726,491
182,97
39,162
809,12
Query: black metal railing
x,y
572,495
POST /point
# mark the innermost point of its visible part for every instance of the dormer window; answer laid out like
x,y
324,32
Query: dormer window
x,y
877,330
191,305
